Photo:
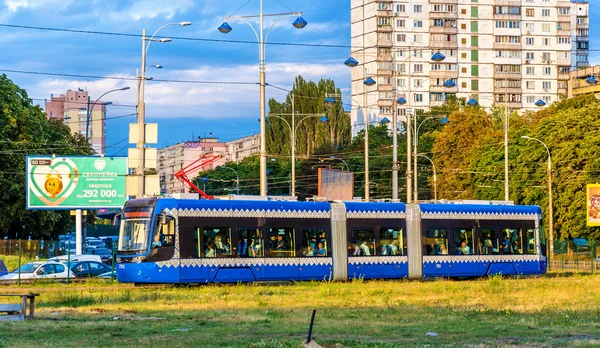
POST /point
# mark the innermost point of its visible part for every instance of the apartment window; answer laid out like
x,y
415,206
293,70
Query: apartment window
x,y
545,12
474,70
529,12
401,37
564,26
474,56
508,24
508,68
463,26
530,99
474,41
418,8
529,41
529,56
463,41
383,21
581,20
529,27
546,27
418,24
418,97
530,70
383,6
563,40
418,83
546,57
547,71
474,85
401,67
400,8
474,11
508,54
463,55
463,70
547,99
418,38
418,53
512,10
507,39
564,11
563,54
402,83
464,12
546,41
474,26
546,84
400,23
418,68
530,85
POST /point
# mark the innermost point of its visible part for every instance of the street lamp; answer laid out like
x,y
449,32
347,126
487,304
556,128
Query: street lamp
x,y
337,158
91,109
293,128
141,121
444,120
237,178
434,176
550,210
261,39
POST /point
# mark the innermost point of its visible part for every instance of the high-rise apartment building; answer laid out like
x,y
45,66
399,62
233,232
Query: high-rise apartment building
x,y
72,108
503,52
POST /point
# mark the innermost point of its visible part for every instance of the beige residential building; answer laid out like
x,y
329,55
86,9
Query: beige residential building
x,y
72,108
239,149
579,82
503,52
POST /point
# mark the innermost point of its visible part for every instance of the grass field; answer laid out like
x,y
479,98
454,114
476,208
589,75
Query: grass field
x,y
548,311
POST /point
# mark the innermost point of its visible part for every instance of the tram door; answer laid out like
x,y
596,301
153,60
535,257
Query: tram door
x,y
190,263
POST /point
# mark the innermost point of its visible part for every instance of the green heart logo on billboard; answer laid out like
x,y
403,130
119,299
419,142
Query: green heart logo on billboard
x,y
75,182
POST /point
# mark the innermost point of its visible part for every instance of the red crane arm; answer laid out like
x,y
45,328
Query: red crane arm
x,y
197,164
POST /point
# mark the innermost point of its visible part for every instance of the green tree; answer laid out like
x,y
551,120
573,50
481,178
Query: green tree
x,y
24,130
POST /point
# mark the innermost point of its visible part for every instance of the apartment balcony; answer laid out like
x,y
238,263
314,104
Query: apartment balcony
x,y
443,15
384,72
507,76
583,26
508,16
442,89
562,91
385,43
443,44
515,3
385,102
564,77
582,38
563,32
563,3
384,87
443,74
563,61
443,30
384,57
455,2
384,28
507,90
564,18
384,13
507,46
511,105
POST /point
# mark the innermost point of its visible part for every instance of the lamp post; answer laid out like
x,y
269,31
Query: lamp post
x,y
550,210
416,154
141,121
337,158
237,178
434,176
293,128
90,109
225,28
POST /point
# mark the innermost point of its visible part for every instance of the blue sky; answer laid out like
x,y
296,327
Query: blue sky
x,y
181,110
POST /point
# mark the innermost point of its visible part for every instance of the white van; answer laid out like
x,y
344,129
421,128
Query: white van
x,y
76,258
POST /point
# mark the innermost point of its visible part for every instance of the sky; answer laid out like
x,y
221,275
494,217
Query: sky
x,y
183,111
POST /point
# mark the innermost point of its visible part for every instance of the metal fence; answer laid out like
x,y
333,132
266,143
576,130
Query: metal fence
x,y
575,255
31,248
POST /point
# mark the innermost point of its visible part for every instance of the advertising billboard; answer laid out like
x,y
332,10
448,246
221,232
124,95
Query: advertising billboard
x,y
593,204
76,182
336,184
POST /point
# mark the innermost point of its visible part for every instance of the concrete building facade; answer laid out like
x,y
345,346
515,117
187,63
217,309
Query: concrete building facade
x,y
72,108
172,159
503,52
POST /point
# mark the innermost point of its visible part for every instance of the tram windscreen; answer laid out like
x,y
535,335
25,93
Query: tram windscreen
x,y
134,234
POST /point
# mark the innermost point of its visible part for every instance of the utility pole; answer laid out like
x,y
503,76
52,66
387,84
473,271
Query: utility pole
x,y
141,123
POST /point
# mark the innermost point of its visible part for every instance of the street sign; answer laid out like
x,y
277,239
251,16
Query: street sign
x,y
75,182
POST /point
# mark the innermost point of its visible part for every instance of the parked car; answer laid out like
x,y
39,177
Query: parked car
x,y
40,270
3,269
93,244
76,258
108,275
89,269
105,255
581,244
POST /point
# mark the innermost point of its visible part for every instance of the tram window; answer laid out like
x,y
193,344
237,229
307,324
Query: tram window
x,y
530,241
512,241
164,234
488,242
436,241
362,242
314,242
463,241
217,242
281,242
392,242
250,242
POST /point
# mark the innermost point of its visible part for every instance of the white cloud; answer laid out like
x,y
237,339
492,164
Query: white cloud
x,y
168,99
153,8
14,5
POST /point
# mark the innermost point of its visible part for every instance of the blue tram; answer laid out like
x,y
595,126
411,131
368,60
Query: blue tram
x,y
203,241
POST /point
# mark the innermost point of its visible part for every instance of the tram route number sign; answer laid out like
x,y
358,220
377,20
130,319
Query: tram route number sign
x,y
75,182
